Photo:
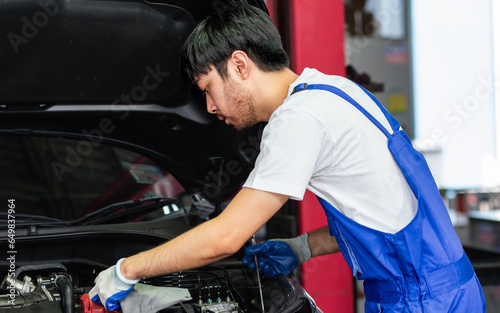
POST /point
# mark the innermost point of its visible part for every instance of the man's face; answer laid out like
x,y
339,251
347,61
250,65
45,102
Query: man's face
x,y
228,99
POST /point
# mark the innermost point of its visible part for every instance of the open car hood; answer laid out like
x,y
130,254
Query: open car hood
x,y
108,72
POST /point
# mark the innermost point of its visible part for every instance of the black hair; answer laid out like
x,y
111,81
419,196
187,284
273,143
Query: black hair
x,y
229,28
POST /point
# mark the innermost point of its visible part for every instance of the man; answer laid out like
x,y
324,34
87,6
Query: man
x,y
328,135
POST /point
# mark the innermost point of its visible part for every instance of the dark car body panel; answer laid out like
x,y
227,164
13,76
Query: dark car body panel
x,y
110,71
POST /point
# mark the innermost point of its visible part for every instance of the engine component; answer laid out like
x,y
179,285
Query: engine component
x,y
24,286
42,307
223,307
22,300
25,294
89,306
63,282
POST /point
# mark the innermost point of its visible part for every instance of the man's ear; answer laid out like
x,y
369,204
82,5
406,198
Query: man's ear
x,y
240,64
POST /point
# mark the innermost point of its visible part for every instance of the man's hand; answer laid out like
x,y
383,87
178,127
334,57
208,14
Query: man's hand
x,y
111,287
278,256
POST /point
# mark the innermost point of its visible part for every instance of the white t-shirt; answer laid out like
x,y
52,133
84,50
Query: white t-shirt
x,y
318,141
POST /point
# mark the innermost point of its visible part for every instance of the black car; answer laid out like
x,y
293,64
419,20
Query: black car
x,y
106,150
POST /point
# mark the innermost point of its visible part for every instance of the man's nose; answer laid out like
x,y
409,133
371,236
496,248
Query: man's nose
x,y
211,108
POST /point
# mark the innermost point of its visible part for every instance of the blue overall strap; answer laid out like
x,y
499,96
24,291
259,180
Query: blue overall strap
x,y
392,121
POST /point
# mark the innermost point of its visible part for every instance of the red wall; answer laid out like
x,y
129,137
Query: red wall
x,y
317,35
317,41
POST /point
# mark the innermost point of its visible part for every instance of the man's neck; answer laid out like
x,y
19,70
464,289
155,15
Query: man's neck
x,y
271,91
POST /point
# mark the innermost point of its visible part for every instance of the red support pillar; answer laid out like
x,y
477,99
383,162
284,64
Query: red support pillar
x,y
317,41
317,35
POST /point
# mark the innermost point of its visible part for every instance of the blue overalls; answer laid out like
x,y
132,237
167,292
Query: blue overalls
x,y
421,268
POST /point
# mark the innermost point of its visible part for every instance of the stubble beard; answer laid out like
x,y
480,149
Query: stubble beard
x,y
242,103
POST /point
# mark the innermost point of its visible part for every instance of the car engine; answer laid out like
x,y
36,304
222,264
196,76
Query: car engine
x,y
52,287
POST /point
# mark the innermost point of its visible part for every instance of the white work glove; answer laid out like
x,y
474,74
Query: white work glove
x,y
111,287
151,299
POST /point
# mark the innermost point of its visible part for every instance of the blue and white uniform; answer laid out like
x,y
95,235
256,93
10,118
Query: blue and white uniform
x,y
379,196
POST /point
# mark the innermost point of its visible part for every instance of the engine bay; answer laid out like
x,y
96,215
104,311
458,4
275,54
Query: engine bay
x,y
57,288
54,267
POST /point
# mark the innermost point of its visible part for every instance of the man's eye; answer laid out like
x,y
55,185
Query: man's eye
x,y
204,91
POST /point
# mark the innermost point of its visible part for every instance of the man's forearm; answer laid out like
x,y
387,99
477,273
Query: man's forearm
x,y
320,242
193,249
210,241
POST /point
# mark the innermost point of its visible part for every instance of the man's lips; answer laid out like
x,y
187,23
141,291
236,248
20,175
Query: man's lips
x,y
223,118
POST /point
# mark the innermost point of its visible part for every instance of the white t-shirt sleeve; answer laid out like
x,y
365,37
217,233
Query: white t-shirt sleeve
x,y
290,148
